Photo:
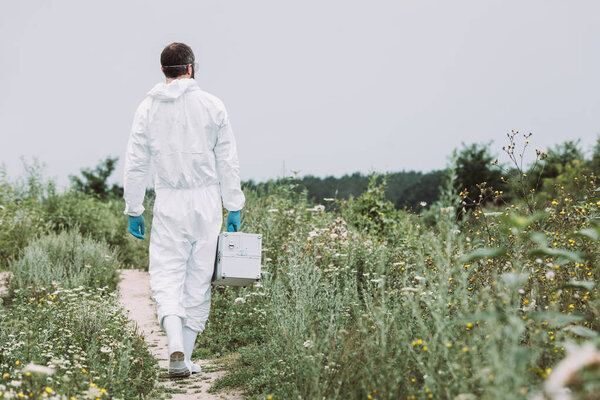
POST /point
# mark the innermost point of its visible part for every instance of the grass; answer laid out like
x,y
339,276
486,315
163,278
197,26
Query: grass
x,y
64,320
369,302
357,301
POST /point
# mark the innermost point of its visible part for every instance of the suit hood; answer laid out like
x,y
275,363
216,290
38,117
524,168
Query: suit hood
x,y
173,90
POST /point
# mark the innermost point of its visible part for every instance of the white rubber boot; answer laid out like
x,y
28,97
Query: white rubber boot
x,y
189,339
177,365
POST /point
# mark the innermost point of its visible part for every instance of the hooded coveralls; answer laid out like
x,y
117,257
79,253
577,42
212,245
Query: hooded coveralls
x,y
184,133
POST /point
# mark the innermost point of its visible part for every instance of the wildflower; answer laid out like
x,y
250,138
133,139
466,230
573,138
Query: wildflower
x,y
308,344
48,390
448,345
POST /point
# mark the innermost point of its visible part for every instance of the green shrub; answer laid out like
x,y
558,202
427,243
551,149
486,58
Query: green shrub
x,y
102,220
66,259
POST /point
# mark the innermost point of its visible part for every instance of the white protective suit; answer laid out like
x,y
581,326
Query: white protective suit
x,y
185,134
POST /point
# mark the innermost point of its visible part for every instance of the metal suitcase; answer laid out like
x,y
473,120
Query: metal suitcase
x,y
238,259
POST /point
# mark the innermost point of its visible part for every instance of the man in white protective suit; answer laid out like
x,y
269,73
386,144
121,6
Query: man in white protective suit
x,y
184,133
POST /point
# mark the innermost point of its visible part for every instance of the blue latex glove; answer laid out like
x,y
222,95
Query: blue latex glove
x,y
234,221
137,225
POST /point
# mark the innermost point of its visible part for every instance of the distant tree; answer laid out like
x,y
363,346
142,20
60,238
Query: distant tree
x,y
94,181
474,170
561,170
403,189
557,159
409,189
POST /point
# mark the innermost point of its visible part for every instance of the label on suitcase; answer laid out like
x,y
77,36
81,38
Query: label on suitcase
x,y
238,259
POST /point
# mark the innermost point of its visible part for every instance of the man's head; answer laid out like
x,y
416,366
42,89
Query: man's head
x,y
177,59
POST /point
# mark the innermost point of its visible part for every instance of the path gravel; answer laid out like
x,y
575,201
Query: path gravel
x,y
135,297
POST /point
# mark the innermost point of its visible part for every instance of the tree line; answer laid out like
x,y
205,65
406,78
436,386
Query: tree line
x,y
480,178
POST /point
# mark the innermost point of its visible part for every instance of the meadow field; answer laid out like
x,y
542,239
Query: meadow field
x,y
488,293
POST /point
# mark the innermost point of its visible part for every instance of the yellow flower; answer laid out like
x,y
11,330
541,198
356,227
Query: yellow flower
x,y
48,390
83,370
102,390
425,348
17,362
269,397
448,345
419,342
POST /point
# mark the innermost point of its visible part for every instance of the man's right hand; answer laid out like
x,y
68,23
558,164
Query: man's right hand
x,y
137,226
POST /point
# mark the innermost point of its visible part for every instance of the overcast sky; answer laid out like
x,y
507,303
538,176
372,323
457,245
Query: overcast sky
x,y
326,87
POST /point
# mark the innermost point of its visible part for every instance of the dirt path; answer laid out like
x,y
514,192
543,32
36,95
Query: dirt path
x,y
135,297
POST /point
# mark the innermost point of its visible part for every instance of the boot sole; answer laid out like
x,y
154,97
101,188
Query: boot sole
x,y
177,367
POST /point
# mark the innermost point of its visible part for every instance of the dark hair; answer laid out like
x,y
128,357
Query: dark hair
x,y
176,54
